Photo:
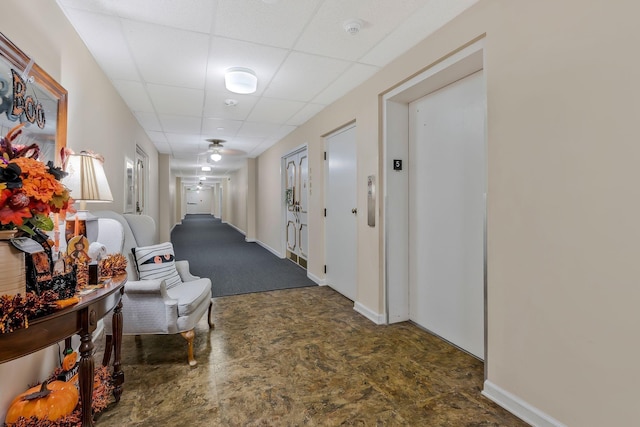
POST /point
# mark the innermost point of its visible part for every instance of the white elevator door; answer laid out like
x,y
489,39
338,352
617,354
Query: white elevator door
x,y
340,223
447,212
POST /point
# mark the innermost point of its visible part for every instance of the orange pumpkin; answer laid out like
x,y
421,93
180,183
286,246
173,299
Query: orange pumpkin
x,y
47,401
70,360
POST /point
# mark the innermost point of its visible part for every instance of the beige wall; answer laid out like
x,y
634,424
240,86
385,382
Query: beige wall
x,y
236,196
563,197
98,120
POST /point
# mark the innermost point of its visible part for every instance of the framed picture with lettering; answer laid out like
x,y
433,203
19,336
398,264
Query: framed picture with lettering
x,y
30,96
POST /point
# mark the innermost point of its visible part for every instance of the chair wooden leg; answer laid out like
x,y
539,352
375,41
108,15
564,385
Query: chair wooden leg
x,y
108,346
211,325
190,336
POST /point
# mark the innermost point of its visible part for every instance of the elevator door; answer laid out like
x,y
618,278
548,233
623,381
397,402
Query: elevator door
x,y
447,169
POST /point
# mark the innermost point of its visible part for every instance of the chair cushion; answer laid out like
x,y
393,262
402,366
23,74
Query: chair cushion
x,y
157,262
190,295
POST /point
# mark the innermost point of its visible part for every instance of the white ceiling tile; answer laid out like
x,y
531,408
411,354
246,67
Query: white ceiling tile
x,y
157,136
252,129
224,128
305,114
193,15
418,26
215,107
269,110
180,124
101,6
149,121
292,80
134,94
325,34
163,147
226,53
352,78
111,53
277,24
176,100
168,56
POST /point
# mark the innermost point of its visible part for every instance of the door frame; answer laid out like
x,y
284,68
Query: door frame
x,y
395,145
283,203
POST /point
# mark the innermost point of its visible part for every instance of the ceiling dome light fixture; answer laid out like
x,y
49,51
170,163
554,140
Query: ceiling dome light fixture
x,y
240,80
216,157
206,169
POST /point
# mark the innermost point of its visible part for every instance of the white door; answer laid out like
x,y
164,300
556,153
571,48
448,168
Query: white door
x,y
297,203
447,212
340,221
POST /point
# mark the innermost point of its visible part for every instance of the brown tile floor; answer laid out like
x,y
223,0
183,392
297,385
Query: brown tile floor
x,y
301,357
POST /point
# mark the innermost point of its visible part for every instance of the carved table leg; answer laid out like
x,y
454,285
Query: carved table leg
x,y
86,377
108,346
118,375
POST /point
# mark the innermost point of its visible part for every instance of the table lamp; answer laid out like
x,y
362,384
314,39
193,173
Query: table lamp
x,y
86,182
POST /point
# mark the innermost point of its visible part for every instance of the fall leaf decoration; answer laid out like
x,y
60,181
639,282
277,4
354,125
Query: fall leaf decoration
x,y
113,265
17,310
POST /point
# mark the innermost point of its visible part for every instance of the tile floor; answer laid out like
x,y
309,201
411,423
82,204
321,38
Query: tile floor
x,y
300,357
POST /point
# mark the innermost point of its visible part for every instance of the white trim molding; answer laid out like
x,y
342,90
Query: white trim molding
x,y
267,247
377,318
316,279
519,407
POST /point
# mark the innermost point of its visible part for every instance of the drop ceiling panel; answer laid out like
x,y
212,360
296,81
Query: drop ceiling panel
x,y
252,129
148,121
134,94
347,81
193,15
111,53
215,107
163,147
305,114
180,124
168,56
269,110
277,24
325,35
157,137
220,127
303,76
176,100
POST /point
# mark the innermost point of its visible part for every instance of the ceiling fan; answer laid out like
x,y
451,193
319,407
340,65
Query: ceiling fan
x,y
216,150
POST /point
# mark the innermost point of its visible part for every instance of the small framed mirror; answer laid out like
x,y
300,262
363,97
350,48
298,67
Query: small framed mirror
x,y
31,96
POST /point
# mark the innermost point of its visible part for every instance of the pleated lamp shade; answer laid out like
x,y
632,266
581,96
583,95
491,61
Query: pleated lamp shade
x,y
86,181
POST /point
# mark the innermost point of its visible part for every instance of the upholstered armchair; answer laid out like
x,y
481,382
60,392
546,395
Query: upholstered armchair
x,y
149,306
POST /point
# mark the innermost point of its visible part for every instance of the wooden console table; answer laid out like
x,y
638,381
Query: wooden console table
x,y
81,319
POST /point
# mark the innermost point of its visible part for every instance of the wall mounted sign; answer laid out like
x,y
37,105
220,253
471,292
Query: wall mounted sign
x,y
397,165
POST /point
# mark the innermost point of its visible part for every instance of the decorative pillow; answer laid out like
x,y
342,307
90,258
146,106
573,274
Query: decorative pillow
x,y
157,262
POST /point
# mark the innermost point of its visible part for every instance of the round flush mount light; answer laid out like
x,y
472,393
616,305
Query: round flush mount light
x,y
240,80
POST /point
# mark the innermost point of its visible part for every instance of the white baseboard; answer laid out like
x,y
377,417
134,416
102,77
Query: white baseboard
x,y
376,318
269,248
236,228
316,279
518,407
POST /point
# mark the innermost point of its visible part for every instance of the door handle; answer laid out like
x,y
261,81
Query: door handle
x,y
354,211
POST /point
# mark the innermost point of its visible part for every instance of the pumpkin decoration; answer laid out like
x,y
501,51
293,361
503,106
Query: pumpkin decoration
x,y
50,400
69,361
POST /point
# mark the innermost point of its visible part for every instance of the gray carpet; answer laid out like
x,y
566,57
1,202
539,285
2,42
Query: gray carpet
x,y
218,251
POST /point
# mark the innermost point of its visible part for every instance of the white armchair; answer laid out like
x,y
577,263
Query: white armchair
x,y
148,307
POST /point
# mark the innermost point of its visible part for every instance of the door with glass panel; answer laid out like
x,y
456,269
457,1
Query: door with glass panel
x,y
296,167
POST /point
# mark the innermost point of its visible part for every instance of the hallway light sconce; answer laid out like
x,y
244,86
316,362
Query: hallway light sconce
x,y
240,80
